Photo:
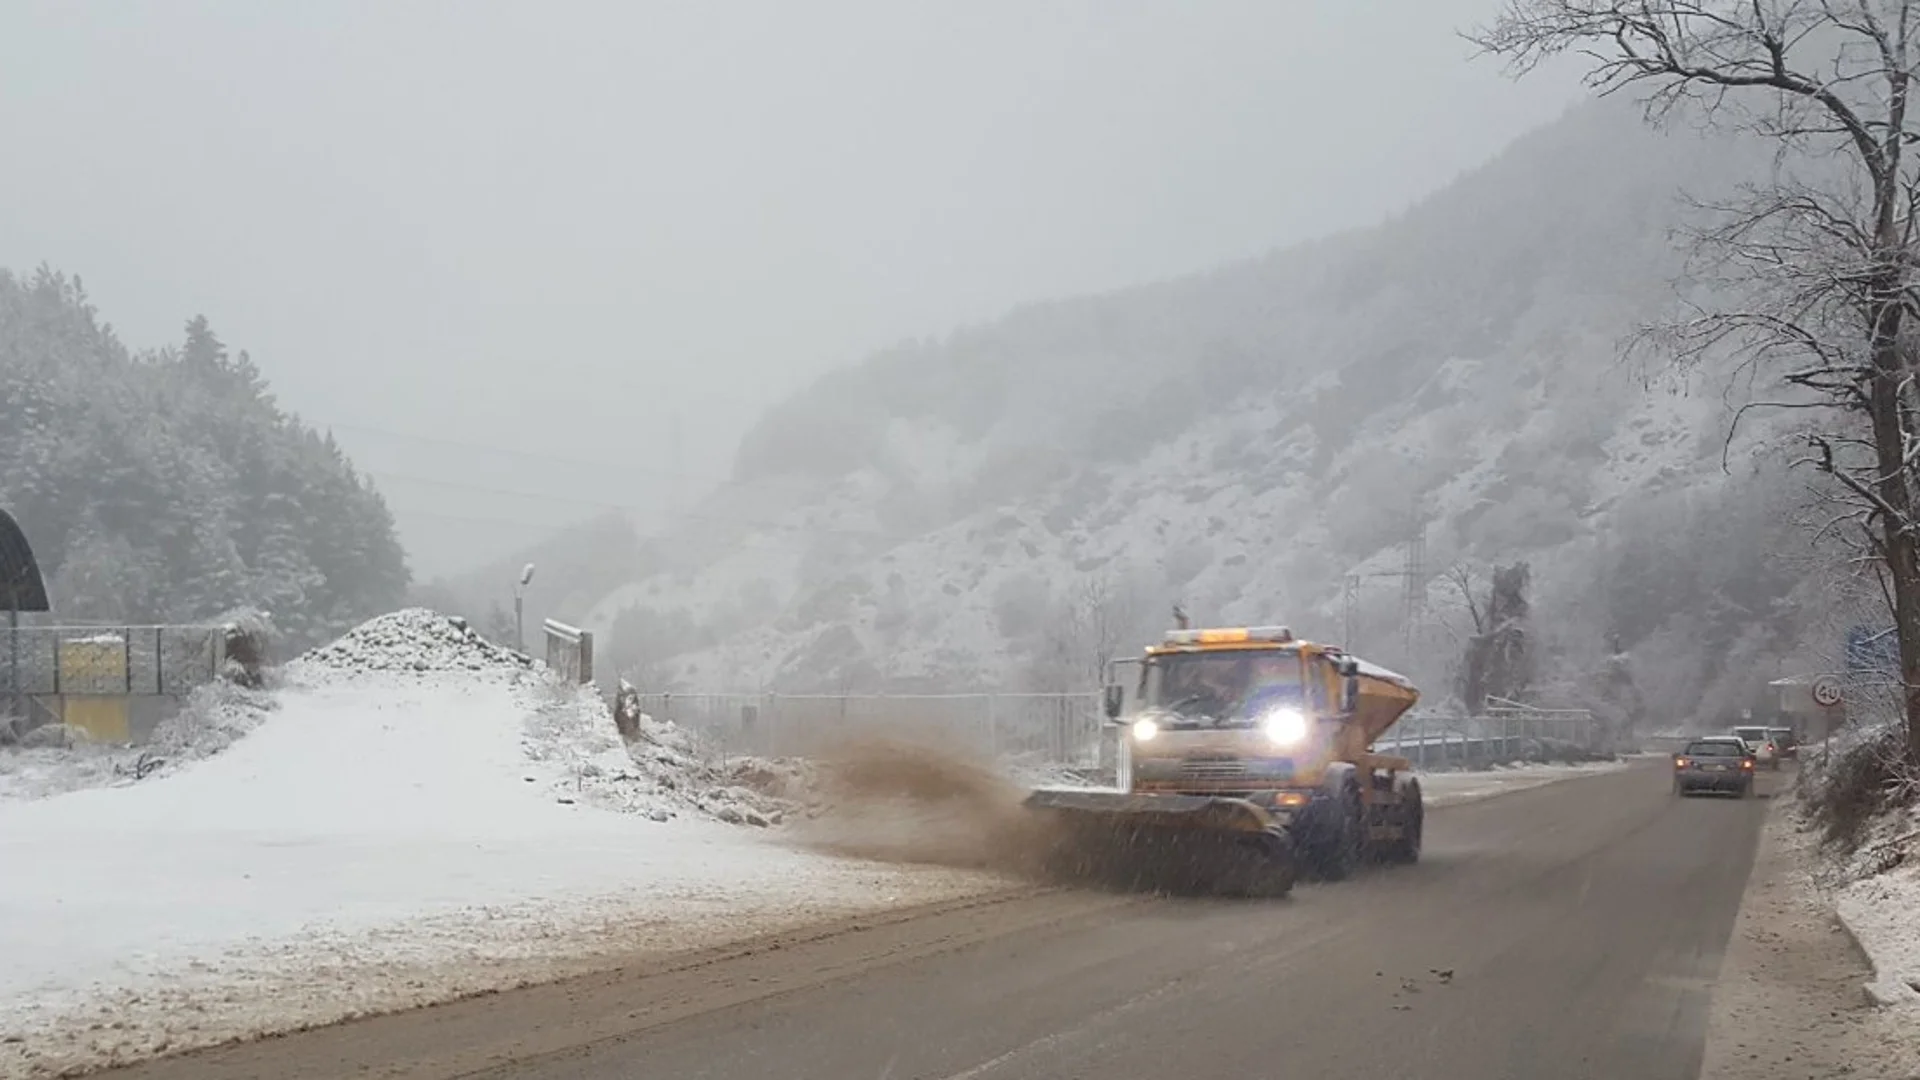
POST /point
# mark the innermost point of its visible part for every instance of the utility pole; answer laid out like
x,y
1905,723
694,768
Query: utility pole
x,y
1414,597
1413,587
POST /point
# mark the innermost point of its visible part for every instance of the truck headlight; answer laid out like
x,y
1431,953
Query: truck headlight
x,y
1144,730
1285,726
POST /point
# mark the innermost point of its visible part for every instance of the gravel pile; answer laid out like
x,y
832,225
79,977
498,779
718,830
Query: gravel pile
x,y
413,639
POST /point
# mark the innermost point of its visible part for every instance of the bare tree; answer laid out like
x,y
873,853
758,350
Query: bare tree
x,y
1496,660
1092,624
1814,272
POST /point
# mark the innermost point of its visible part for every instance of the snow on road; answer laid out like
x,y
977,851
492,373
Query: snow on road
x,y
384,838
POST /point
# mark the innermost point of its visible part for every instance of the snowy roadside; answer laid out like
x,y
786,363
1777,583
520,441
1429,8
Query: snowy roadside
x,y
409,818
1877,898
1871,879
1787,1003
1883,914
153,975
1454,788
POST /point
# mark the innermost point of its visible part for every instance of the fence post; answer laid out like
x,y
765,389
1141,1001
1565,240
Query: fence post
x,y
993,726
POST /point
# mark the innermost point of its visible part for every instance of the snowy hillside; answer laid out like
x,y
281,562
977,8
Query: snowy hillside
x,y
1000,507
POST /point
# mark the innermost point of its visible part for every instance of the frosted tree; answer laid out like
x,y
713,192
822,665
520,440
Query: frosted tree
x,y
1497,661
169,486
1812,274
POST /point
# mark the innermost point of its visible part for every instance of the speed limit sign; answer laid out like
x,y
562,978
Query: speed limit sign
x,y
1826,691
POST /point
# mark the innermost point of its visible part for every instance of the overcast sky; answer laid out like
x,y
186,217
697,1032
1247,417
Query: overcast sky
x,y
482,239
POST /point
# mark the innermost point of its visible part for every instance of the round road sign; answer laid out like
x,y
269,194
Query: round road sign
x,y
1826,691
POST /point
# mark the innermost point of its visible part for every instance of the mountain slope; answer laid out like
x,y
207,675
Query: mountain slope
x,y
1011,504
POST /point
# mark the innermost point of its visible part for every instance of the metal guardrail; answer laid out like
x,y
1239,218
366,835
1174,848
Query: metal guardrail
x,y
569,651
124,661
1436,741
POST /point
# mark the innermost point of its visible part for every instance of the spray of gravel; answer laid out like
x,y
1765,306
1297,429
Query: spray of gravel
x,y
900,801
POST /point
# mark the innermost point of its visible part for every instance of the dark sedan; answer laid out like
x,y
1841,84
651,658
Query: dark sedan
x,y
1719,764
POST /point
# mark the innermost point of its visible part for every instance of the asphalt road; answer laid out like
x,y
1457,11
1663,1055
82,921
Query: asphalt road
x,y
1567,931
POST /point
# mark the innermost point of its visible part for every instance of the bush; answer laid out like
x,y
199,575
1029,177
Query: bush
x,y
1858,783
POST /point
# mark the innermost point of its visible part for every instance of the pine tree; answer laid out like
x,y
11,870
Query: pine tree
x,y
170,486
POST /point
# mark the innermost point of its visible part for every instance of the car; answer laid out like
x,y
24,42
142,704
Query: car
x,y
1766,754
1787,740
1714,763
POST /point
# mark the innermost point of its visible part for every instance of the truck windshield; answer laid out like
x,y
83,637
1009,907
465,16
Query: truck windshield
x,y
1228,685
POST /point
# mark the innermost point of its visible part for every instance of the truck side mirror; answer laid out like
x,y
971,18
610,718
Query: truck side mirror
x,y
1113,698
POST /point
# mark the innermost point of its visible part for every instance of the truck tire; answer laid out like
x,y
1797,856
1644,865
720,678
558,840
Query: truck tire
x,y
1341,838
1413,825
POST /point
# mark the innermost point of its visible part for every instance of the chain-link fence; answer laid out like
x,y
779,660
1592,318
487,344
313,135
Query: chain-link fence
x,y
108,661
1052,729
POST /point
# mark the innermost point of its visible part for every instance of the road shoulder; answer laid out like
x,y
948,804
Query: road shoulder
x,y
1790,1002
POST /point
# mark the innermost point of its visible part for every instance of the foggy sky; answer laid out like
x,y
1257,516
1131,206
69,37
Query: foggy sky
x,y
480,237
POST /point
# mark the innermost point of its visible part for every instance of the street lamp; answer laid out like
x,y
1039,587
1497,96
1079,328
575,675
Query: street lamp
x,y
519,605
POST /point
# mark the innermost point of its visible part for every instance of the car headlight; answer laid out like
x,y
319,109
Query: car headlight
x,y
1143,729
1285,726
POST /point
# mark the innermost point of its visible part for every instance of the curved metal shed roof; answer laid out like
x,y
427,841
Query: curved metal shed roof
x,y
21,587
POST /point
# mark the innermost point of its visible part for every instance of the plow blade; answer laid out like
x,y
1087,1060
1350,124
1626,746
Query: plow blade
x,y
1167,843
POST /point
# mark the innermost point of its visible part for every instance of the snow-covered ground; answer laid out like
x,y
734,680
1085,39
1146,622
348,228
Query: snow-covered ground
x,y
391,834
1883,914
1875,890
1453,788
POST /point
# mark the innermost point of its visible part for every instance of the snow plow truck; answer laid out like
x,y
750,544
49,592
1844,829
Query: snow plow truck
x,y
1246,755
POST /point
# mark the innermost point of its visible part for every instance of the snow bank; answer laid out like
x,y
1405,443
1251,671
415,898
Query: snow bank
x,y
422,816
663,773
1883,914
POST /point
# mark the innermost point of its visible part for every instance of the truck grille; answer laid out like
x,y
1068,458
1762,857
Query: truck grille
x,y
1212,769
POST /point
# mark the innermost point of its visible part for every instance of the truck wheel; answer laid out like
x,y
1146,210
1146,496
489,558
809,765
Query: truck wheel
x,y
1337,848
1413,825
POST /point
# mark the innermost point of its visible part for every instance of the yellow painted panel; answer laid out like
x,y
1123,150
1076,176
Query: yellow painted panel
x,y
104,719
94,665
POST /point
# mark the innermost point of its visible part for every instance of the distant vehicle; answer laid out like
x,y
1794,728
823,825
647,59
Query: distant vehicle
x,y
1766,753
1787,740
1715,763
